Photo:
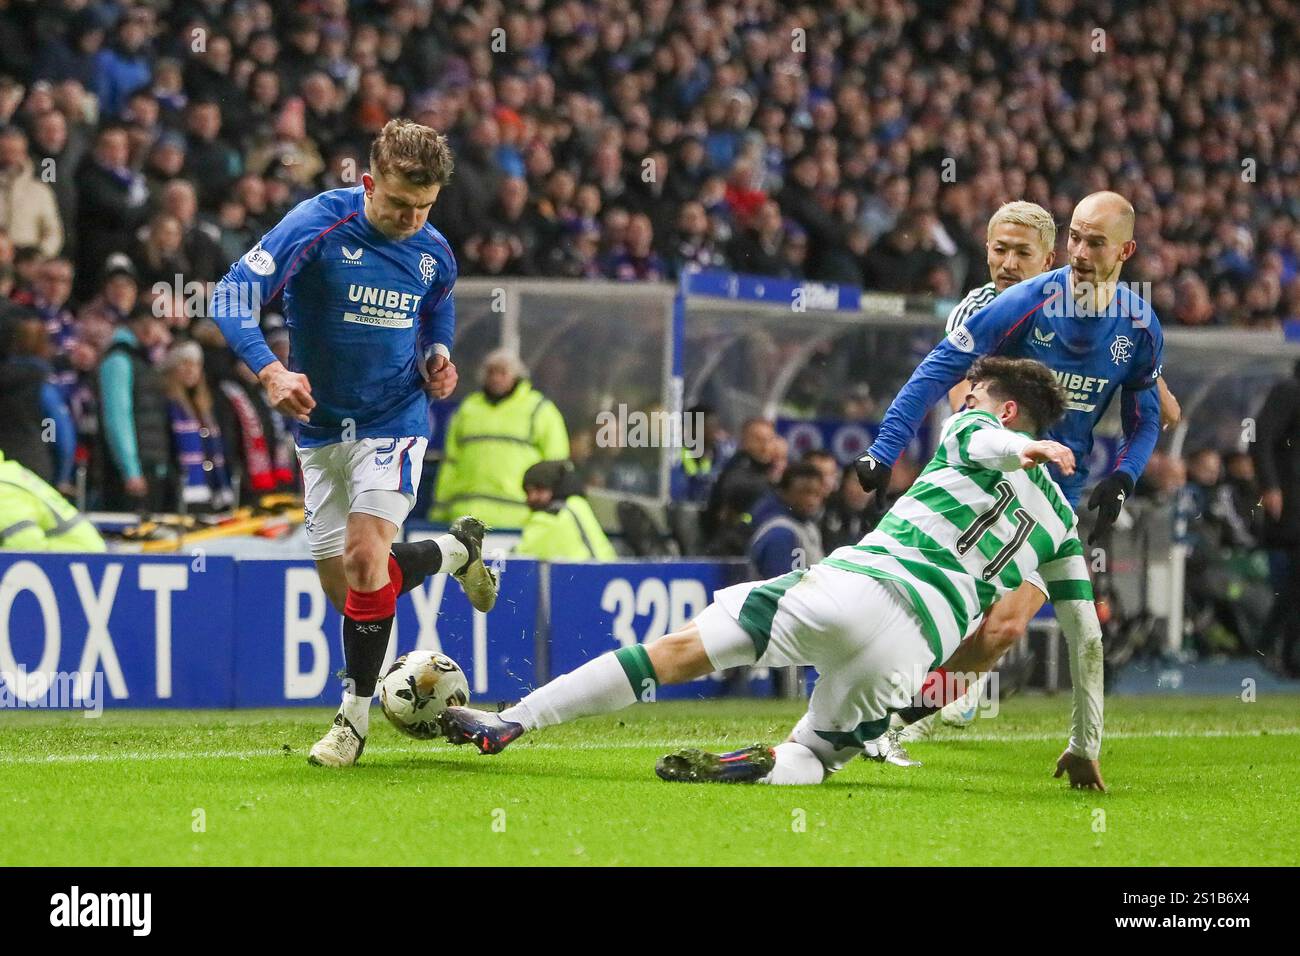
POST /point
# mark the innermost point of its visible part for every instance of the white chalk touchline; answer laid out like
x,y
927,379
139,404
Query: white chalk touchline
x,y
126,756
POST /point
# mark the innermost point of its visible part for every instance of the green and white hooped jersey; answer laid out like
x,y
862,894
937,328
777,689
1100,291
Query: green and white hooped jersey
x,y
972,528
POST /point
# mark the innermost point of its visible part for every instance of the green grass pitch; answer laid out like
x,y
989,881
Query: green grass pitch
x,y
1192,781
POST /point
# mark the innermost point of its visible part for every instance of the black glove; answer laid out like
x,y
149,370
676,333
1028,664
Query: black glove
x,y
1107,499
873,475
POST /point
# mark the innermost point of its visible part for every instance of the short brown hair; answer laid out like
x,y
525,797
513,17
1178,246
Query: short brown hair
x,y
418,154
1028,383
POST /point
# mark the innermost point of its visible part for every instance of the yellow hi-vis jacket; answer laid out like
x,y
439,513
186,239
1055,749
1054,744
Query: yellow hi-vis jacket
x,y
35,517
567,530
489,447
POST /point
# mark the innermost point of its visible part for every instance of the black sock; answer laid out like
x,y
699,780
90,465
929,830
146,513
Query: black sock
x,y
364,646
416,560
911,715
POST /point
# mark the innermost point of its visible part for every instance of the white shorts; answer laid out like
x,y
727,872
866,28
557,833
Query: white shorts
x,y
376,476
864,639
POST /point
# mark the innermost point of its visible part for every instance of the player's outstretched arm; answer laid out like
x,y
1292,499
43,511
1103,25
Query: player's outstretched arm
x,y
1047,452
985,332
976,440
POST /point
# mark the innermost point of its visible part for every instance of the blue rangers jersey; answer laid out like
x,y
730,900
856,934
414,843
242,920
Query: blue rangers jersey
x,y
1092,356
362,311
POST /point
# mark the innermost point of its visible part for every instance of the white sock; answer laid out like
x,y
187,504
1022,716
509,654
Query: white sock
x,y
356,710
597,687
454,555
795,765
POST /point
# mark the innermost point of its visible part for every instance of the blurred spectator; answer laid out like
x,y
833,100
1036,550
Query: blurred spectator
x,y
51,292
1277,463
160,255
694,247
743,480
901,260
200,457
1214,507
494,253
1164,477
71,52
1243,493
560,525
637,260
117,297
492,439
113,197
166,162
825,463
36,429
757,249
199,247
137,445
794,252
801,200
1227,599
844,521
785,533
123,66
510,214
288,147
210,161
53,148
706,448
29,211
35,517
257,440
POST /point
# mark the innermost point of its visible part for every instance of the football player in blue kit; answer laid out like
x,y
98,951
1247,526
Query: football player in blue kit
x,y
1099,338
367,286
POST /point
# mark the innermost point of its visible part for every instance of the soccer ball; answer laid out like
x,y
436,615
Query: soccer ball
x,y
418,688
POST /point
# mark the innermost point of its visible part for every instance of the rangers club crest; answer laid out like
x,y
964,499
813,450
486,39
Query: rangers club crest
x,y
427,267
1121,350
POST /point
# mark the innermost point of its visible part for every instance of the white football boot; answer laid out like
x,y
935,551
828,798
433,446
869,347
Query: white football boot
x,y
886,749
911,733
340,747
961,713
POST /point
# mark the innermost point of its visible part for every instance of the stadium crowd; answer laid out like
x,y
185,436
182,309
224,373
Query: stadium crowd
x,y
146,145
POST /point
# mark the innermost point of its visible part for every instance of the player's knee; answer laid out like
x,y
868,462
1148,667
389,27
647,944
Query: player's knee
x,y
678,658
364,562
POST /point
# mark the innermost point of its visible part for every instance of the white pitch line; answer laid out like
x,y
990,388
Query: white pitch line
x,y
127,756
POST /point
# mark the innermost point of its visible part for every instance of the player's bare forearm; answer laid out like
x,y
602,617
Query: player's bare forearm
x,y
1044,452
